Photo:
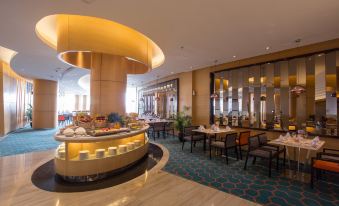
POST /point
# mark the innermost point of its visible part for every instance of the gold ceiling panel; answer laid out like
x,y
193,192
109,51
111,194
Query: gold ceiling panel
x,y
75,37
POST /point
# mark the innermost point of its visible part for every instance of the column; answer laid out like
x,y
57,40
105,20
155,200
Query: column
x,y
44,104
108,83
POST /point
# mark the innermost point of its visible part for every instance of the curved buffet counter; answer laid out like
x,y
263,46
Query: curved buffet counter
x,y
88,158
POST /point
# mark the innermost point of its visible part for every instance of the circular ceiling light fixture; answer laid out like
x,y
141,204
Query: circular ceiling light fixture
x,y
76,38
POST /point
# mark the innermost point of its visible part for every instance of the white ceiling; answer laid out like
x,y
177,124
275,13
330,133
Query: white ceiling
x,y
208,30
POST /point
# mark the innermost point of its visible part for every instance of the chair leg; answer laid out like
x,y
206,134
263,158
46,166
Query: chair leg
x,y
312,175
270,167
191,146
245,167
183,143
240,152
226,154
317,174
254,159
284,163
236,152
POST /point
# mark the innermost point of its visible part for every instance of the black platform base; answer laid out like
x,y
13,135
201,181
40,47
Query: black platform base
x,y
45,177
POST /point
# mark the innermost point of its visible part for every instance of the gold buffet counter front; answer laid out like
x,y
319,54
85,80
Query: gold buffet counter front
x,y
88,158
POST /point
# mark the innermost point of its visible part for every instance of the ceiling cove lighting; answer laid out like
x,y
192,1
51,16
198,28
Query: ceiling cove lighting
x,y
69,35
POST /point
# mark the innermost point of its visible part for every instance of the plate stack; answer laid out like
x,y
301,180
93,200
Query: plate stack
x,y
112,151
137,143
83,154
100,153
122,148
130,146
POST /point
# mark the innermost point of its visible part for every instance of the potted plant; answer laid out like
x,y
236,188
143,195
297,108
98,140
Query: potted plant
x,y
182,120
29,112
115,120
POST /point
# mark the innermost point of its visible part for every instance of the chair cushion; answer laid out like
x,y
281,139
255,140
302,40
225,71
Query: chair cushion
x,y
195,137
262,153
330,158
326,165
218,144
269,147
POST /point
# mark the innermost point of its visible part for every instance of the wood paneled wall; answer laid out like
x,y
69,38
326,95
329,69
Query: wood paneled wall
x,y
45,104
12,99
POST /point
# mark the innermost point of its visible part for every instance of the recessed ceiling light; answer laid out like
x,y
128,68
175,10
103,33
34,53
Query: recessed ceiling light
x,y
234,56
268,63
172,72
319,55
267,48
191,67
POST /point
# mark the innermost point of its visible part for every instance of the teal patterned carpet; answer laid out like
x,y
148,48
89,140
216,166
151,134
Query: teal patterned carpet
x,y
252,184
27,140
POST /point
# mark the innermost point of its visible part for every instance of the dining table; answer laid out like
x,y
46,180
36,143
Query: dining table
x,y
212,132
298,144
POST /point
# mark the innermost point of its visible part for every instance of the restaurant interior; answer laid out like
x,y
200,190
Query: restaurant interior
x,y
172,103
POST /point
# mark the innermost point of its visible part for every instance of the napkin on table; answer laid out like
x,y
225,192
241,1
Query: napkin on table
x,y
315,141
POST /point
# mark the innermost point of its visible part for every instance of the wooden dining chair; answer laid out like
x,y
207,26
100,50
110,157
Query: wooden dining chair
x,y
263,141
157,128
254,150
191,136
169,128
243,140
328,160
226,143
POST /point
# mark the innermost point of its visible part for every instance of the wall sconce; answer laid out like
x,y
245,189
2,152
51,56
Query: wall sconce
x,y
193,92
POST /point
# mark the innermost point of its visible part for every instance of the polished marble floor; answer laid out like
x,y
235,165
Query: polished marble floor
x,y
156,187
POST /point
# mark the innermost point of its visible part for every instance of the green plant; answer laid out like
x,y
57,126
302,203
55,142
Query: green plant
x,y
114,117
29,112
182,120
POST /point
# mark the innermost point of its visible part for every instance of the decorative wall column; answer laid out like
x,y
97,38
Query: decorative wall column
x,y
77,103
84,102
44,104
108,83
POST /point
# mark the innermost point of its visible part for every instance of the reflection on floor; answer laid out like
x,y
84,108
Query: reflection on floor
x,y
252,184
27,140
155,187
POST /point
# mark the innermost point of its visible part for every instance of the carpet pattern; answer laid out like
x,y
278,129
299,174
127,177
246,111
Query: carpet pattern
x,y
252,184
27,140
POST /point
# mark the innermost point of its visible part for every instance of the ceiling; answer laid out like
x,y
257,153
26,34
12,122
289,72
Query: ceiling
x,y
192,33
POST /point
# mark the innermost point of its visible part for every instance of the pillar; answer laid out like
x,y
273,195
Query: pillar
x,y
44,104
108,83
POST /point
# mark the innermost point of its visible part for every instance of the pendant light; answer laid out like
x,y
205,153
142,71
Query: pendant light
x,y
298,89
215,95
157,98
